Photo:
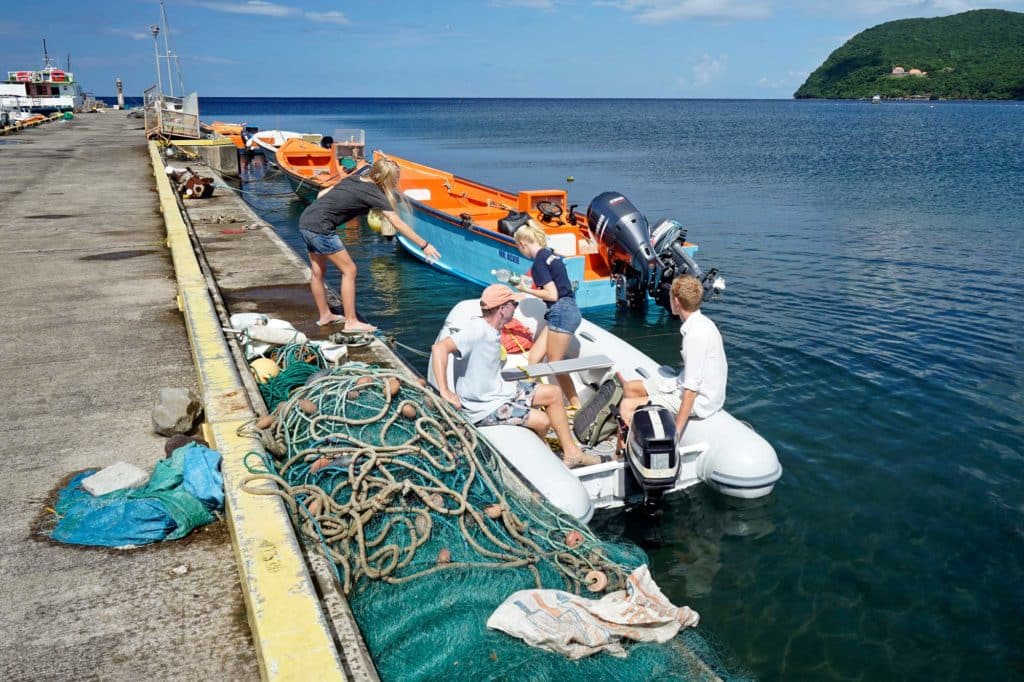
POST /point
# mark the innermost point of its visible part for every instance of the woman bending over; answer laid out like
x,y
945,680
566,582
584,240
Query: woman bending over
x,y
351,198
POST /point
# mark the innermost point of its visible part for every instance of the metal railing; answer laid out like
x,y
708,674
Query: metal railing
x,y
167,116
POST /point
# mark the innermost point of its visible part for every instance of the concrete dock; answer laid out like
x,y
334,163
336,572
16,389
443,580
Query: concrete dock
x,y
91,333
109,290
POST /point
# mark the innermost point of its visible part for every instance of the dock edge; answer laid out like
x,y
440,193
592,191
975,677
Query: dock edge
x,y
291,634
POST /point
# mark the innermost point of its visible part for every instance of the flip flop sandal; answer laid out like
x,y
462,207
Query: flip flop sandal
x,y
331,323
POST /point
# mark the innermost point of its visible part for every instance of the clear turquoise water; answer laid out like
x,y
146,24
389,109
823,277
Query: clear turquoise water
x,y
872,324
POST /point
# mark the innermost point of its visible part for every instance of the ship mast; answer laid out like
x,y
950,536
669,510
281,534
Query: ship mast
x,y
168,55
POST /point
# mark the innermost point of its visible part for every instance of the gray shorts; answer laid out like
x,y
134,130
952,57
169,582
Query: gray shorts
x,y
516,410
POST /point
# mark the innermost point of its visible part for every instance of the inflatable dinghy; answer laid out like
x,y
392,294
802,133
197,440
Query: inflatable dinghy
x,y
721,451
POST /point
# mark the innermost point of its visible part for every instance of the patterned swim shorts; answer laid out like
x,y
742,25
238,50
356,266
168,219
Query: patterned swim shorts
x,y
516,410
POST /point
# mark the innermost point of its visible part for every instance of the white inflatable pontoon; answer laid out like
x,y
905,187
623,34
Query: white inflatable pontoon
x,y
721,451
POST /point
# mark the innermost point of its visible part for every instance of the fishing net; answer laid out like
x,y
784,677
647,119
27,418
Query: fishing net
x,y
298,362
427,538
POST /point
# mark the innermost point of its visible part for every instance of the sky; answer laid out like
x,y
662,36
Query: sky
x,y
744,49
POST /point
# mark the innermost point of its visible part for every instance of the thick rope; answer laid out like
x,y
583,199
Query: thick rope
x,y
371,465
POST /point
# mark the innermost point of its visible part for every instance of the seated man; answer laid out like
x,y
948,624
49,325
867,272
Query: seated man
x,y
483,396
705,370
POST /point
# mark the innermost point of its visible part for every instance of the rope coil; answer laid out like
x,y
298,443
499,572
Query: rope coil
x,y
375,487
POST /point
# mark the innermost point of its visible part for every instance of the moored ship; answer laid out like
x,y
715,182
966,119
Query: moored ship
x,y
44,90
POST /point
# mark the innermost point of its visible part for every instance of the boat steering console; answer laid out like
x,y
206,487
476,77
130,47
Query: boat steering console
x,y
549,211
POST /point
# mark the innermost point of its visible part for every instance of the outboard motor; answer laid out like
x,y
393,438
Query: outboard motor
x,y
651,451
623,229
669,241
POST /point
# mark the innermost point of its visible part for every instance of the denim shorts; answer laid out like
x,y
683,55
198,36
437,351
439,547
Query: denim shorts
x,y
515,411
564,316
324,244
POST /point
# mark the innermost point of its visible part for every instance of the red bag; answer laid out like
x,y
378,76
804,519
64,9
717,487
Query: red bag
x,y
516,337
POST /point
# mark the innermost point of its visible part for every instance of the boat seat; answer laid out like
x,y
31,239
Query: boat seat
x,y
431,191
544,369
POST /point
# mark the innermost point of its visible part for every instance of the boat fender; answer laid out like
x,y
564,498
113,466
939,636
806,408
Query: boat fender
x,y
374,219
264,369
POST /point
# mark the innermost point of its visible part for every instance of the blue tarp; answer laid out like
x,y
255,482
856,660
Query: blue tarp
x,y
179,497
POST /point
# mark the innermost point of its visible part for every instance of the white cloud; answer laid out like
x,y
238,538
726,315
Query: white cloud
x,y
258,7
708,69
211,60
663,11
919,8
328,18
128,33
793,78
543,5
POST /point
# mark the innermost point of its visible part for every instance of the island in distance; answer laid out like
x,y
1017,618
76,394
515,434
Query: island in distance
x,y
973,55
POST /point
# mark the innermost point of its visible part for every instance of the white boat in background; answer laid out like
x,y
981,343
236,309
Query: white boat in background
x,y
877,99
721,451
43,91
269,141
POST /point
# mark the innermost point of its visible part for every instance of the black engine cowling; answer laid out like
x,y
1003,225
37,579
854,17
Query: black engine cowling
x,y
651,450
643,261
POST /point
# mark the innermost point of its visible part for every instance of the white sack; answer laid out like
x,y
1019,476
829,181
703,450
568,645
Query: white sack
x,y
576,627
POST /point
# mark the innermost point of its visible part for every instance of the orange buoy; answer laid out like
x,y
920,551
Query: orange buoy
x,y
437,500
315,507
319,464
352,395
408,411
574,538
493,511
307,406
394,385
266,422
596,581
444,556
362,381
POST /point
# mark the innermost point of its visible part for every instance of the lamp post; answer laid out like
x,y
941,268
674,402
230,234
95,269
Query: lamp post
x,y
156,53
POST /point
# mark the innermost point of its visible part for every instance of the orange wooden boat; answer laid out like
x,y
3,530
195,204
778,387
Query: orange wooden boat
x,y
236,132
309,167
611,254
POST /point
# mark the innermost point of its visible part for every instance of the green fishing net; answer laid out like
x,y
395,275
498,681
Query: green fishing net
x,y
427,535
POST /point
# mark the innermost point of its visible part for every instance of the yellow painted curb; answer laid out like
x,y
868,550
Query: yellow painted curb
x,y
292,637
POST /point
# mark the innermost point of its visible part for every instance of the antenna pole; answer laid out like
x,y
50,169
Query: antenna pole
x,y
167,49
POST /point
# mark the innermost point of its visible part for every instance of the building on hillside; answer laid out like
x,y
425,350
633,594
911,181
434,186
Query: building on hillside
x,y
900,72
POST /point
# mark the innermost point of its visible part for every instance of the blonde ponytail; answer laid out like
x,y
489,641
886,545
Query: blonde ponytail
x,y
384,173
532,233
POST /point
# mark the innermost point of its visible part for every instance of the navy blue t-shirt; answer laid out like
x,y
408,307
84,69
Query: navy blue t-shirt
x,y
549,267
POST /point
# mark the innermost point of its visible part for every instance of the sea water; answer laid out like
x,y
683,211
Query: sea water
x,y
872,323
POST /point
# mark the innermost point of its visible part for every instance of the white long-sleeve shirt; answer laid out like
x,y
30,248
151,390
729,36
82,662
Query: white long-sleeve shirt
x,y
705,369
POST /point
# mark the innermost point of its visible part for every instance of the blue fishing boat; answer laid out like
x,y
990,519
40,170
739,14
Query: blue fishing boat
x,y
612,254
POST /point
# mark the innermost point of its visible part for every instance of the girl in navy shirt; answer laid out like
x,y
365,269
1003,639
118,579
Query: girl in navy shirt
x,y
552,286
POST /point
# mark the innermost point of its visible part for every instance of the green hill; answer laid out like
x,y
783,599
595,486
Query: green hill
x,y
974,55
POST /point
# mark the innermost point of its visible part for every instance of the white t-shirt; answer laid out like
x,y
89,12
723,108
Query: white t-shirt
x,y
480,387
705,369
